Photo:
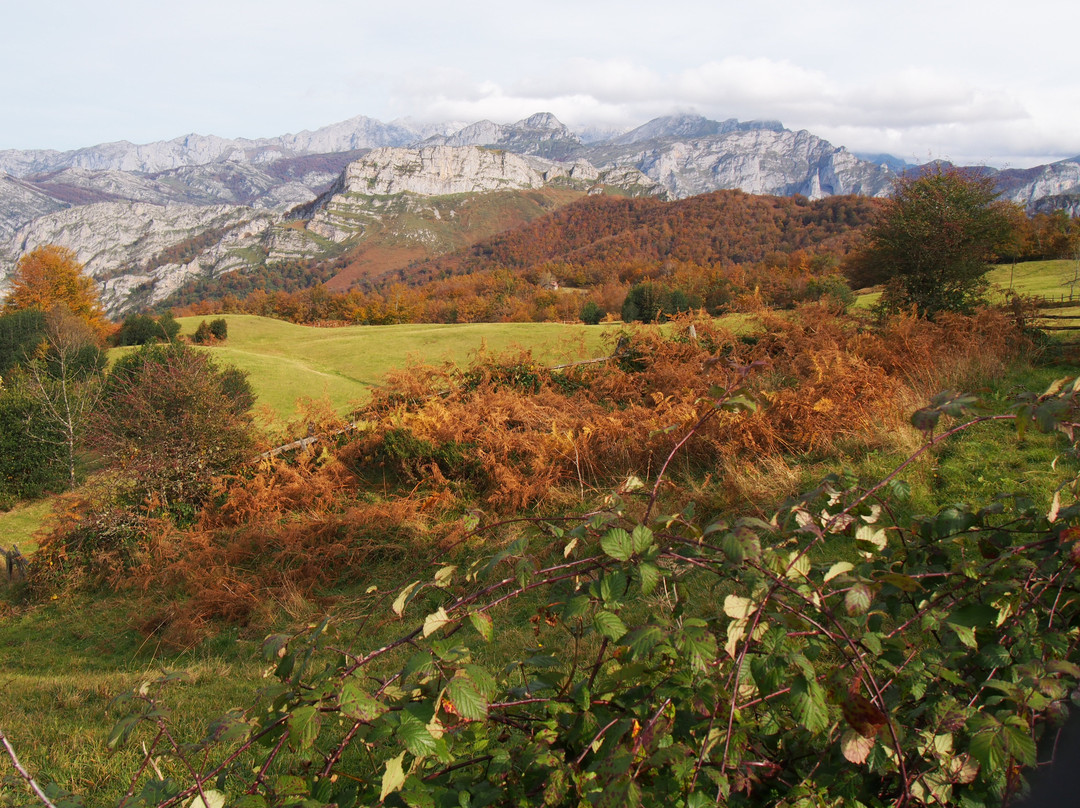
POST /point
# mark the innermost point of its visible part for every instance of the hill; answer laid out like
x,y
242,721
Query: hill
x,y
287,362
722,227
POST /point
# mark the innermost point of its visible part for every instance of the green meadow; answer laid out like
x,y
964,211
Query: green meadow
x,y
287,362
66,659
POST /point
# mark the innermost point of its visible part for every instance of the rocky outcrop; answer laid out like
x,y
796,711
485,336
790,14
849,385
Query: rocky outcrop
x,y
541,135
20,203
122,243
146,217
354,202
1044,188
756,158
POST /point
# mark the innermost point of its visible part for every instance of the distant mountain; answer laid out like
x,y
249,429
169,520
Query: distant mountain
x,y
1044,189
148,217
542,135
196,150
689,155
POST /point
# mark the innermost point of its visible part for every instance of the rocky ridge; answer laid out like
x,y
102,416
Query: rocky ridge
x,y
223,205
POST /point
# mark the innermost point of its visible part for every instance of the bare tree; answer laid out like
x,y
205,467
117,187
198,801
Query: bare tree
x,y
64,378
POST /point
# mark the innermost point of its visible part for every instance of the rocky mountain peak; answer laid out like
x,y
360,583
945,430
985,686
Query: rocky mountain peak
x,y
544,121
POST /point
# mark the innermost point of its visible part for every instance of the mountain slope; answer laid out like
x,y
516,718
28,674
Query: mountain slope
x,y
358,192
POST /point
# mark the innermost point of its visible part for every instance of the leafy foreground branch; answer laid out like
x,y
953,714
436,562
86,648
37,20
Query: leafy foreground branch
x,y
834,655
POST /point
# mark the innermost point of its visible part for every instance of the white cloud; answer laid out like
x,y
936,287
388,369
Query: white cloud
x,y
932,77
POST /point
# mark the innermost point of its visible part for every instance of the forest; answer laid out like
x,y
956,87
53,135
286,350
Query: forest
x,y
771,547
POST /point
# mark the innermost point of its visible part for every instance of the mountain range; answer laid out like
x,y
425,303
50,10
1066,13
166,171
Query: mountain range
x,y
145,219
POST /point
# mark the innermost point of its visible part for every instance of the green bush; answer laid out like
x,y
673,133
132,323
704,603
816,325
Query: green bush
x,y
202,334
839,653
143,329
591,313
31,451
172,420
20,333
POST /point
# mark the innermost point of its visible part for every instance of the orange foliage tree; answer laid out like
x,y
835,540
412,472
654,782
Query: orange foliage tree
x,y
51,275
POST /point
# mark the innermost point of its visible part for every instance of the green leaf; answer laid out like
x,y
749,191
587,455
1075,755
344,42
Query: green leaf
x,y
355,703
641,539
122,730
966,635
609,624
617,544
274,646
393,777
649,574
925,419
1018,741
900,490
303,727
974,615
414,736
467,699
808,703
483,624
642,640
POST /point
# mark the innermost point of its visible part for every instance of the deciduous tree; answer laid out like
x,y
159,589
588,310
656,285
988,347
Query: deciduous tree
x,y
64,379
935,239
50,275
172,420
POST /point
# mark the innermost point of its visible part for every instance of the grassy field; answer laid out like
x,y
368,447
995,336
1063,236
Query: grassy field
x,y
288,361
1043,278
1049,278
18,526
64,660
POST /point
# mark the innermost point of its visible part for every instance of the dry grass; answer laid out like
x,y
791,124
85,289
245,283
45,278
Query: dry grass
x,y
507,438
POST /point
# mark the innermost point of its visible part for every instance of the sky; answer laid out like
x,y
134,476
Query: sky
x,y
984,82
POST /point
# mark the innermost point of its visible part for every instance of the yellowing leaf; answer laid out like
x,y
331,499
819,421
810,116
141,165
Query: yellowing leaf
x,y
855,747
214,799
738,608
434,621
798,565
839,568
393,777
402,599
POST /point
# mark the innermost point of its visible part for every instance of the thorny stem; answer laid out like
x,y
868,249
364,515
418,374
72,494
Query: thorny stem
x,y
145,763
22,772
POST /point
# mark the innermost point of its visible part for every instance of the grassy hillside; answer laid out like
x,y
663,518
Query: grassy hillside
x,y
1049,278
288,361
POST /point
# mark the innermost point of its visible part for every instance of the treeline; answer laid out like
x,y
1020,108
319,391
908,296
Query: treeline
x,y
717,251
723,227
287,276
722,251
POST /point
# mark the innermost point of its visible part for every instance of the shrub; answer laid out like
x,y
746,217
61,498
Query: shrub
x,y
219,328
202,334
143,329
591,313
20,334
171,421
31,450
